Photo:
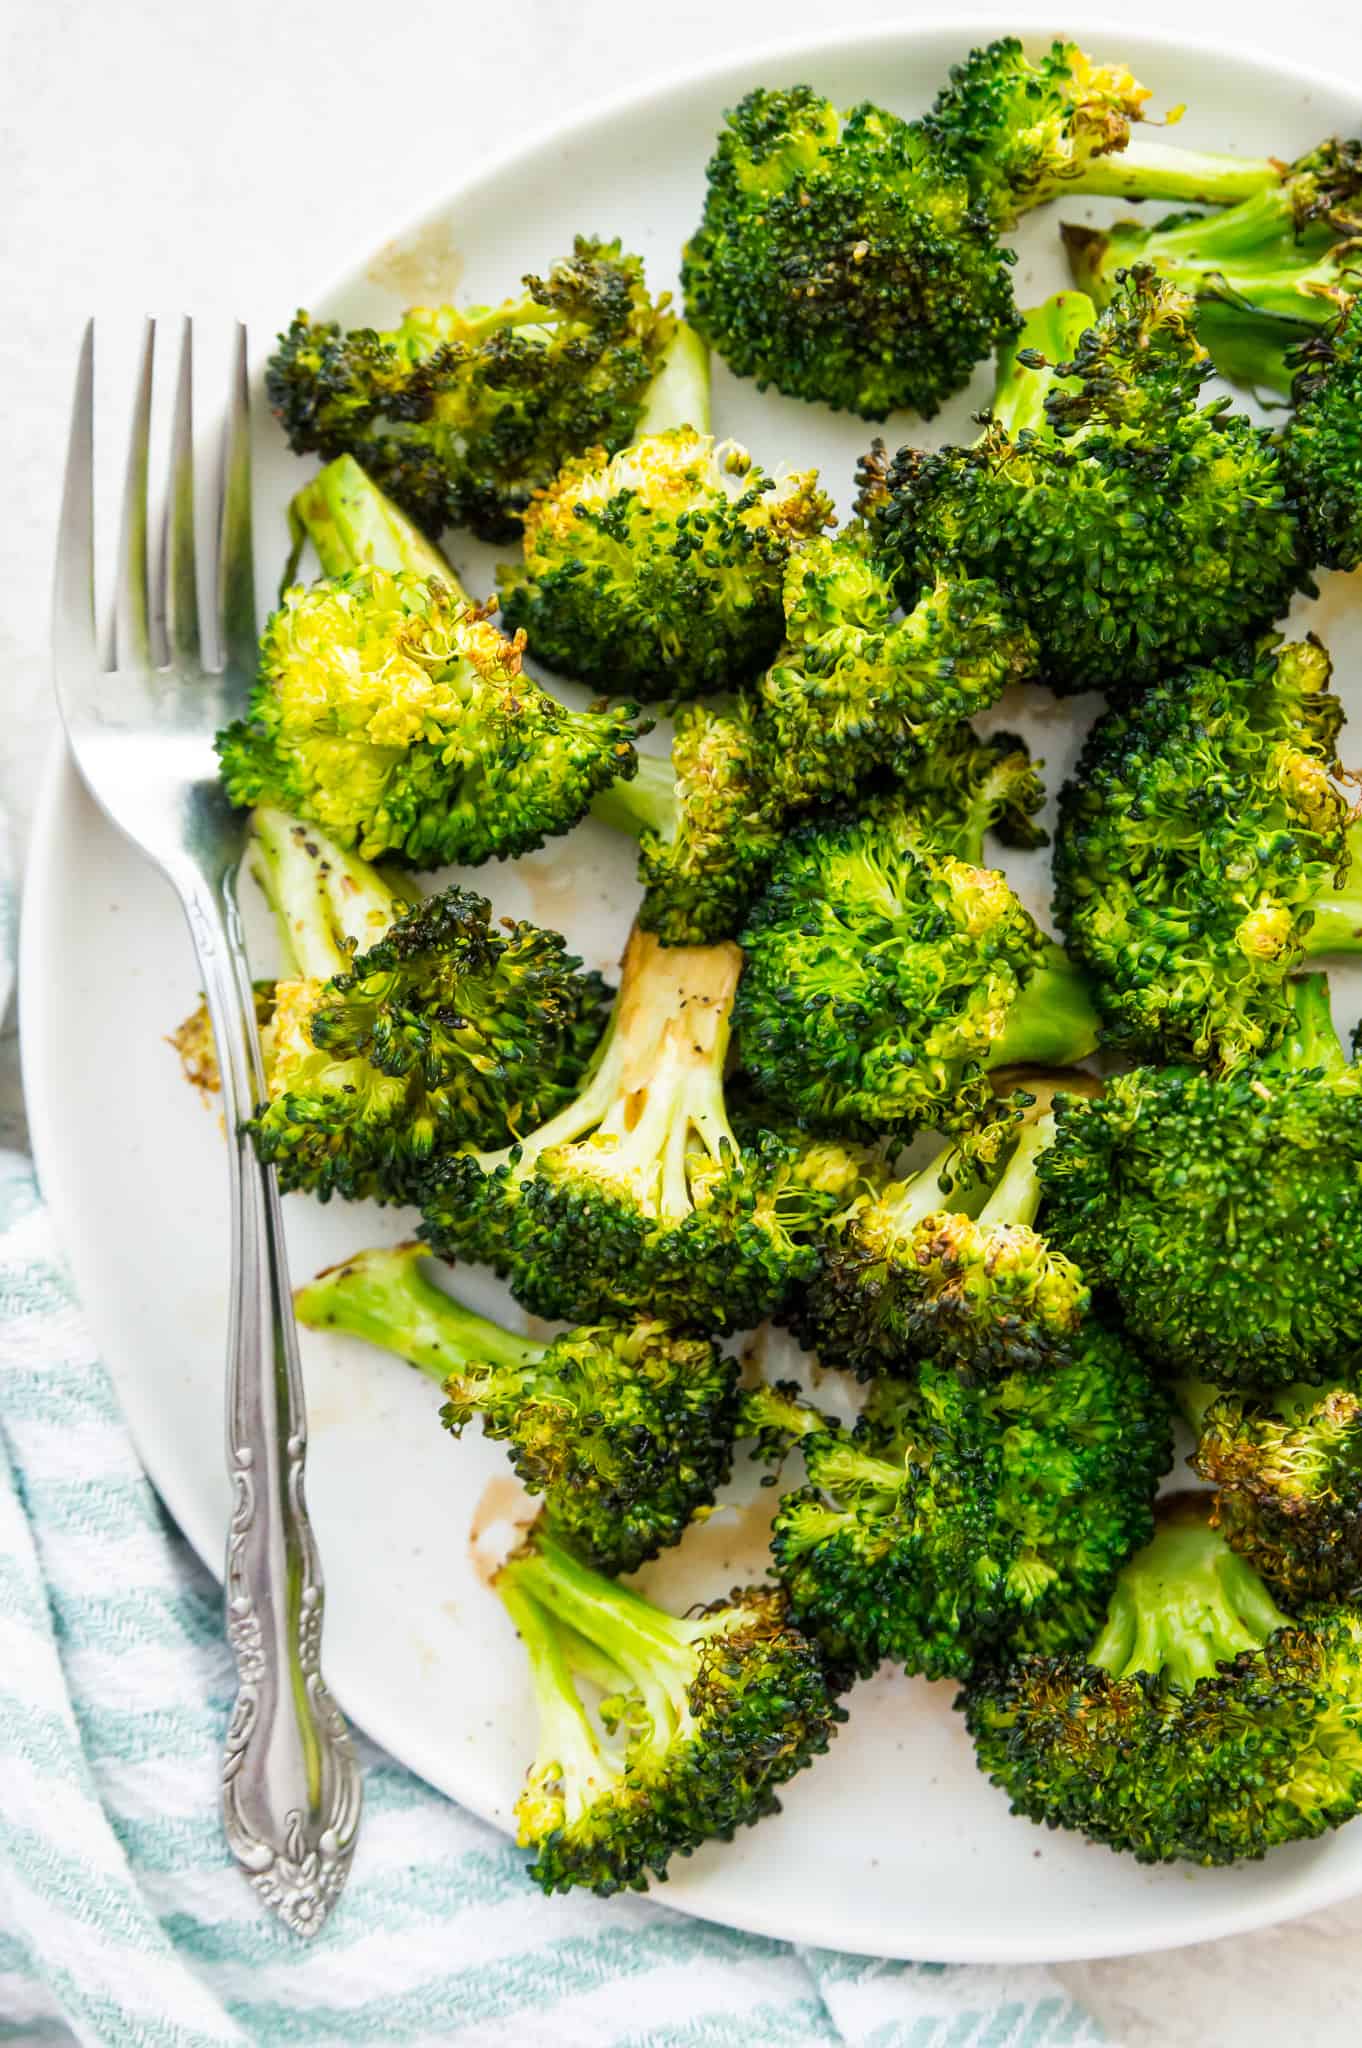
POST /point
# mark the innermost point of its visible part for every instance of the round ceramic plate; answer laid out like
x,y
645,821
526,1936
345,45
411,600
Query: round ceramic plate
x,y
894,1844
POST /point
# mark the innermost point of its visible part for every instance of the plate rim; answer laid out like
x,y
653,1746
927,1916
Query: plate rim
x,y
59,779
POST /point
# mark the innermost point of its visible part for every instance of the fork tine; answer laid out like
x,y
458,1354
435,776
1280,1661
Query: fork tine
x,y
131,639
73,594
179,610
236,563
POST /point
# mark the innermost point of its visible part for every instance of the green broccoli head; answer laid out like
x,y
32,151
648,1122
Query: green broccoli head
x,y
461,416
1130,528
658,571
1203,852
445,1030
1223,1212
959,1510
1287,1469
626,1429
856,690
887,971
932,1266
638,1196
843,258
1265,273
709,822
704,1717
1323,439
394,714
1202,1723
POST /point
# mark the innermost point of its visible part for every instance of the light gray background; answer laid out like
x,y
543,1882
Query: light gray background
x,y
226,160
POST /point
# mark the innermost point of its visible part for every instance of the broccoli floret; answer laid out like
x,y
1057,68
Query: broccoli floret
x,y
857,691
1131,528
442,1029
657,571
709,822
461,416
1264,272
709,1714
638,1197
390,711
1224,1212
1287,1469
1204,851
959,1510
1202,1724
940,1265
887,971
1322,441
627,1429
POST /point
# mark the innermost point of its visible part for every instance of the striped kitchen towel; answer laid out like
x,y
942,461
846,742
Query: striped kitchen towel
x,y
121,1920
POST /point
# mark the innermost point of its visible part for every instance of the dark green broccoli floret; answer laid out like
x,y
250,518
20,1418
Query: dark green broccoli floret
x,y
390,710
1130,527
638,1197
1202,1724
1224,1212
627,1429
1264,273
941,1265
704,1717
961,1509
657,571
460,416
1287,1469
887,971
1322,441
404,1028
1204,852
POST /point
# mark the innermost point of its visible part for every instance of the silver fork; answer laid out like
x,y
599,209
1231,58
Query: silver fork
x,y
141,708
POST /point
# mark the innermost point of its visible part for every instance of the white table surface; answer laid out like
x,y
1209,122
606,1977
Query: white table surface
x,y
163,155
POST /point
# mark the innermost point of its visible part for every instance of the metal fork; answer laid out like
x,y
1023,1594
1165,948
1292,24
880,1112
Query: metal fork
x,y
140,708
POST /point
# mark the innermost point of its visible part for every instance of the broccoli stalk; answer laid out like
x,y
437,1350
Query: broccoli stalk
x,y
713,1711
679,395
328,905
626,1429
1203,1723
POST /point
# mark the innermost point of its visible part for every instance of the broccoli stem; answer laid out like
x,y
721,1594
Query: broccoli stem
x,y
384,1297
1052,1023
1052,330
568,1754
645,803
679,393
1154,170
923,1194
1016,1198
350,523
1185,1604
1338,912
1312,1042
768,1411
329,904
1194,1399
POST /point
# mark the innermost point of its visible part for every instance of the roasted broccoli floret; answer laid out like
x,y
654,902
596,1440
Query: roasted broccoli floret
x,y
638,1197
854,258
704,1717
858,691
1264,272
963,1508
1224,1212
627,1429
656,572
404,1028
1287,1469
1129,526
940,1264
461,416
390,711
1202,1724
887,971
1322,441
1205,850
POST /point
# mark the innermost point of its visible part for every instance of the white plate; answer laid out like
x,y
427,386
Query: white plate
x,y
894,1844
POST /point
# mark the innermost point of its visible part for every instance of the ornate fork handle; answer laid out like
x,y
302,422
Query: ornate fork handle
x,y
290,1778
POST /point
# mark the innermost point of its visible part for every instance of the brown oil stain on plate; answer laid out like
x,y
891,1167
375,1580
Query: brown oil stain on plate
x,y
503,1504
422,269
